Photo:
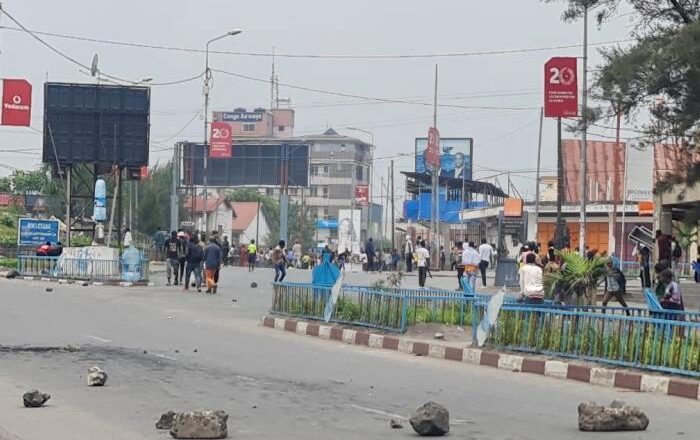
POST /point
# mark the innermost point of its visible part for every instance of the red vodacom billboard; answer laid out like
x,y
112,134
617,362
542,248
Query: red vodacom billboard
x,y
16,102
221,139
432,152
560,88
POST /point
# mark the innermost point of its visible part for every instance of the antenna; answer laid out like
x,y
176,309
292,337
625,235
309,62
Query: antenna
x,y
272,80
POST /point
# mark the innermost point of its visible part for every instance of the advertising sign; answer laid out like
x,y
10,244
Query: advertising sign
x,y
241,116
220,140
349,221
16,102
560,88
35,232
640,165
432,152
361,194
455,157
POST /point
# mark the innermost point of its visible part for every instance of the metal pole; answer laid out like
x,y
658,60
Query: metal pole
x,y
257,224
393,225
560,232
68,200
207,74
173,189
434,218
624,211
537,179
369,188
616,178
584,145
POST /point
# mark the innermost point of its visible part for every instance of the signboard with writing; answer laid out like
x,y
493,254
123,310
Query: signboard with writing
x,y
221,138
560,88
432,151
35,232
16,102
241,116
361,194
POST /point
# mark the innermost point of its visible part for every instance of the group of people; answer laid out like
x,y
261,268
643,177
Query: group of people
x,y
190,254
471,262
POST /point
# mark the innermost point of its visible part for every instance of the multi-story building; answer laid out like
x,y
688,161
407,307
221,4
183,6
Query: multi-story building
x,y
338,165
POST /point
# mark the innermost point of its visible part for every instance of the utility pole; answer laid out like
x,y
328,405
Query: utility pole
x,y
584,145
434,218
537,179
616,177
561,233
393,225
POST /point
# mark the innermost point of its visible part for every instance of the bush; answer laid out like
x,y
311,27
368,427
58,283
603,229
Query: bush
x,y
9,263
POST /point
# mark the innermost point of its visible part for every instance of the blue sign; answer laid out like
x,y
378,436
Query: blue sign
x,y
327,224
35,232
241,116
455,158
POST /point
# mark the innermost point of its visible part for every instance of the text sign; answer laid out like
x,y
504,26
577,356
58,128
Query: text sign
x,y
16,102
362,195
560,88
35,232
432,152
242,116
221,138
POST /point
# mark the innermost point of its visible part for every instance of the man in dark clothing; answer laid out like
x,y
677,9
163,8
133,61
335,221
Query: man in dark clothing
x,y
225,249
663,242
369,250
172,259
182,242
460,266
212,262
194,258
615,284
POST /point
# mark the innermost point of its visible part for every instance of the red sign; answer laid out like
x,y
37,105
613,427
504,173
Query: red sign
x,y
221,140
144,172
432,152
560,88
362,195
16,102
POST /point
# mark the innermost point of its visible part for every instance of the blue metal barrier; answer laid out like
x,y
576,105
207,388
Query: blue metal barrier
x,y
75,268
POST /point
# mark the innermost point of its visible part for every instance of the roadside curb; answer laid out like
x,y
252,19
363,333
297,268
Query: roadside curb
x,y
91,283
560,369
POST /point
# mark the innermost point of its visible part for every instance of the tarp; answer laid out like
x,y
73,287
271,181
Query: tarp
x,y
419,209
326,273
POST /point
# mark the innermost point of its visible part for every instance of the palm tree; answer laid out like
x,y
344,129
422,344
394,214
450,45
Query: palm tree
x,y
578,278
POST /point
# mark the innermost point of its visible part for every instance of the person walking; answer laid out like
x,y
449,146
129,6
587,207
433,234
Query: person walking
x,y
181,252
252,255
615,285
443,258
470,261
408,254
127,241
645,266
296,250
172,259
279,261
193,259
225,249
457,252
371,252
243,255
485,251
159,242
212,262
531,287
422,255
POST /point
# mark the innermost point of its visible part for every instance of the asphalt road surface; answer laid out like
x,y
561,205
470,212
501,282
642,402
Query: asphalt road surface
x,y
164,349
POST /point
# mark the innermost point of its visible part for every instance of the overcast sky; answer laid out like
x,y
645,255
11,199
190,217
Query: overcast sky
x,y
505,139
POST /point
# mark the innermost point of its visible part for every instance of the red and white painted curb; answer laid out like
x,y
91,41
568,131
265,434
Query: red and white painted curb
x,y
561,369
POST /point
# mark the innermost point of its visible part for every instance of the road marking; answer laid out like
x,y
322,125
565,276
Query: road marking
x,y
97,338
162,356
396,416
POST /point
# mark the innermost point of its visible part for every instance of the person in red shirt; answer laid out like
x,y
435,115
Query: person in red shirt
x,y
43,250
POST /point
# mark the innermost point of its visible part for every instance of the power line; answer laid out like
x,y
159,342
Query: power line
x,y
317,56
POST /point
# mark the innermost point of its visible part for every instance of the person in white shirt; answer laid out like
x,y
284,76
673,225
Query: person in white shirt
x,y
485,253
127,238
422,256
470,260
408,253
531,287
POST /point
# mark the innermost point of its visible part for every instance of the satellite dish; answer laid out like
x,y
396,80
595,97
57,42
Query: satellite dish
x,y
93,67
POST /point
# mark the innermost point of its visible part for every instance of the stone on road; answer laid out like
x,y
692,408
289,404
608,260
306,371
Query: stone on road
x,y
200,424
431,419
395,424
619,416
35,398
96,377
166,420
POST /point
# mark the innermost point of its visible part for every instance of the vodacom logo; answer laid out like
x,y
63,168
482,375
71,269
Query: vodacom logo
x,y
17,100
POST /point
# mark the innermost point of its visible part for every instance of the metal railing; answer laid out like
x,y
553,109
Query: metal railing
x,y
78,268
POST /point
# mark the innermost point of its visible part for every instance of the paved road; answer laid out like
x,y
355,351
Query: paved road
x,y
273,384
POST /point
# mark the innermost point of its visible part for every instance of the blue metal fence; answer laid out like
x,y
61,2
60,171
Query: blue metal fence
x,y
77,268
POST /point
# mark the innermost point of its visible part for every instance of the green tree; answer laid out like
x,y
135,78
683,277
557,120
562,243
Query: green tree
x,y
154,200
300,226
658,72
5,184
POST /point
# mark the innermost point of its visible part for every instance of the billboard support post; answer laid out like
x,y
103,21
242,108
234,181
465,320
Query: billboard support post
x,y
537,179
68,203
584,144
434,218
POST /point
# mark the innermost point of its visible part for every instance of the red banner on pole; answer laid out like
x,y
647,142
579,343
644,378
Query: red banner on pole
x,y
221,140
16,102
560,88
144,172
432,152
362,195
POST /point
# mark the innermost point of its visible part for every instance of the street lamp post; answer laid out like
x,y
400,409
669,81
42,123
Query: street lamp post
x,y
371,174
207,77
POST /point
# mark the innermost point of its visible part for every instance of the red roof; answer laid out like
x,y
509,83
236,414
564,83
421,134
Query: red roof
x,y
245,214
669,159
212,204
601,171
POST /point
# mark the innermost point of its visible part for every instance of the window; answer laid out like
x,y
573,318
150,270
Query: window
x,y
248,127
325,213
325,170
314,170
324,191
280,128
293,191
359,173
269,191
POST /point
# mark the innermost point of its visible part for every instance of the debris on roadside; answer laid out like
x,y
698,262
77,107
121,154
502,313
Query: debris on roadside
x,y
439,336
395,424
35,398
200,425
96,377
49,289
619,416
254,285
431,419
166,420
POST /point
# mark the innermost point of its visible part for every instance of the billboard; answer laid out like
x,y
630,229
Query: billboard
x,y
361,194
560,88
349,229
96,123
221,139
455,157
252,164
35,232
241,116
639,175
16,102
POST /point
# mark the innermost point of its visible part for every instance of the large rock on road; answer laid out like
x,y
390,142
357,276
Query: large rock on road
x,y
617,417
431,419
96,377
35,398
200,424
